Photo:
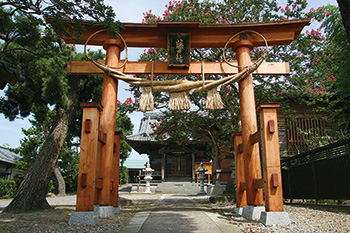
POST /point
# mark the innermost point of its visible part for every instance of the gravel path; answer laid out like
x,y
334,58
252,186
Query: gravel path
x,y
303,219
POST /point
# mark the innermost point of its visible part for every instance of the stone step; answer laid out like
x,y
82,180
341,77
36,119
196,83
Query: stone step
x,y
178,187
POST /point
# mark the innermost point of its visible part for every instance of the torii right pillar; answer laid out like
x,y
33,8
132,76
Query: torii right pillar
x,y
252,167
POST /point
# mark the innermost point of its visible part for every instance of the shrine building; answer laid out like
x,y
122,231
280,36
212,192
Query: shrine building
x,y
173,162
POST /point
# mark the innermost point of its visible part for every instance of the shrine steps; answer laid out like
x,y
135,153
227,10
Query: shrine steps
x,y
178,187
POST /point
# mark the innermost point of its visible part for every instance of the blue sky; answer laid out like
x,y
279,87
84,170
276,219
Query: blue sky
x,y
127,11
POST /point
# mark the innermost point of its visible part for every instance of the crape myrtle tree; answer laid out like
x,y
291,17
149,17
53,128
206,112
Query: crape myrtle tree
x,y
311,81
338,41
30,45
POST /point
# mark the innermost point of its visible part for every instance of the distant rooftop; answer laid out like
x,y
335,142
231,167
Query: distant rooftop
x,y
135,163
8,156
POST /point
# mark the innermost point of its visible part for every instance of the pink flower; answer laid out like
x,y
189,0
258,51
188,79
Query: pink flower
x,y
322,89
177,142
278,93
128,100
283,18
320,9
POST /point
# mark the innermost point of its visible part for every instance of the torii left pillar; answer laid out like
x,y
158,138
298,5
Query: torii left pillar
x,y
249,122
105,168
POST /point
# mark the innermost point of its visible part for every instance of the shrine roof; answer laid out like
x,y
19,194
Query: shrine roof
x,y
8,156
141,141
202,35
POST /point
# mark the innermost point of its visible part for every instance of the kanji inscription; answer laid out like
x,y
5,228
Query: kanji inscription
x,y
178,50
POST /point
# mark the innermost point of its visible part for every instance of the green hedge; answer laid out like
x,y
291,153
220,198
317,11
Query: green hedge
x,y
123,175
8,188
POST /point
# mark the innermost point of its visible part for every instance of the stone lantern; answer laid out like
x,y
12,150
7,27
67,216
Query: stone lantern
x,y
148,177
201,176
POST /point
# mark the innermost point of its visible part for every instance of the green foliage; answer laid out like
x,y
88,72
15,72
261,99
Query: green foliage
x,y
123,175
8,188
53,187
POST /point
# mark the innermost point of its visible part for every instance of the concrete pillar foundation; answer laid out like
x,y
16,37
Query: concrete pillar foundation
x,y
104,211
274,218
253,212
239,210
84,217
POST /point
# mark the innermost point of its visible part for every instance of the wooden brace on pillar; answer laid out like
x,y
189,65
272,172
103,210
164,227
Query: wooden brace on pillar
x,y
88,156
271,157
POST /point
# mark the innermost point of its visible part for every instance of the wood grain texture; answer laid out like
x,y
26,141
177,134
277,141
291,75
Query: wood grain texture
x,y
249,126
88,160
271,158
241,187
107,122
145,67
202,35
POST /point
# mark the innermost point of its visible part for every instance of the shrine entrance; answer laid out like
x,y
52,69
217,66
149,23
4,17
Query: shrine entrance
x,y
99,158
178,166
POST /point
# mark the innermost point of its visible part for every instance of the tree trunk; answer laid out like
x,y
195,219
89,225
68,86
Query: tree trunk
x,y
344,6
31,194
60,181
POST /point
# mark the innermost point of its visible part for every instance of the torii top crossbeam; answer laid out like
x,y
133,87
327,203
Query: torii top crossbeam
x,y
202,35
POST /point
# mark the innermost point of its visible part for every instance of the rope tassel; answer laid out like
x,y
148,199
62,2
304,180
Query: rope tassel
x,y
214,100
179,101
146,101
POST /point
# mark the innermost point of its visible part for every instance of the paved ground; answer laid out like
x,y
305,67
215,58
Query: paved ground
x,y
178,213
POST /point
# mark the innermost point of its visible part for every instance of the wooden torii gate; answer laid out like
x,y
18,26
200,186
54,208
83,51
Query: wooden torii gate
x,y
99,158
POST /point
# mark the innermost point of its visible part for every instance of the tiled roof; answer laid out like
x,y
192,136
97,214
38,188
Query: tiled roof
x,y
8,156
145,133
135,163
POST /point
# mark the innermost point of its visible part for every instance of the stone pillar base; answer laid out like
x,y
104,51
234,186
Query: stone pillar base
x,y
239,210
253,212
84,217
104,211
201,193
274,218
116,210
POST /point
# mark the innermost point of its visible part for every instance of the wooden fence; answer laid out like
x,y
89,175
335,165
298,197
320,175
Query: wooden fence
x,y
322,173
